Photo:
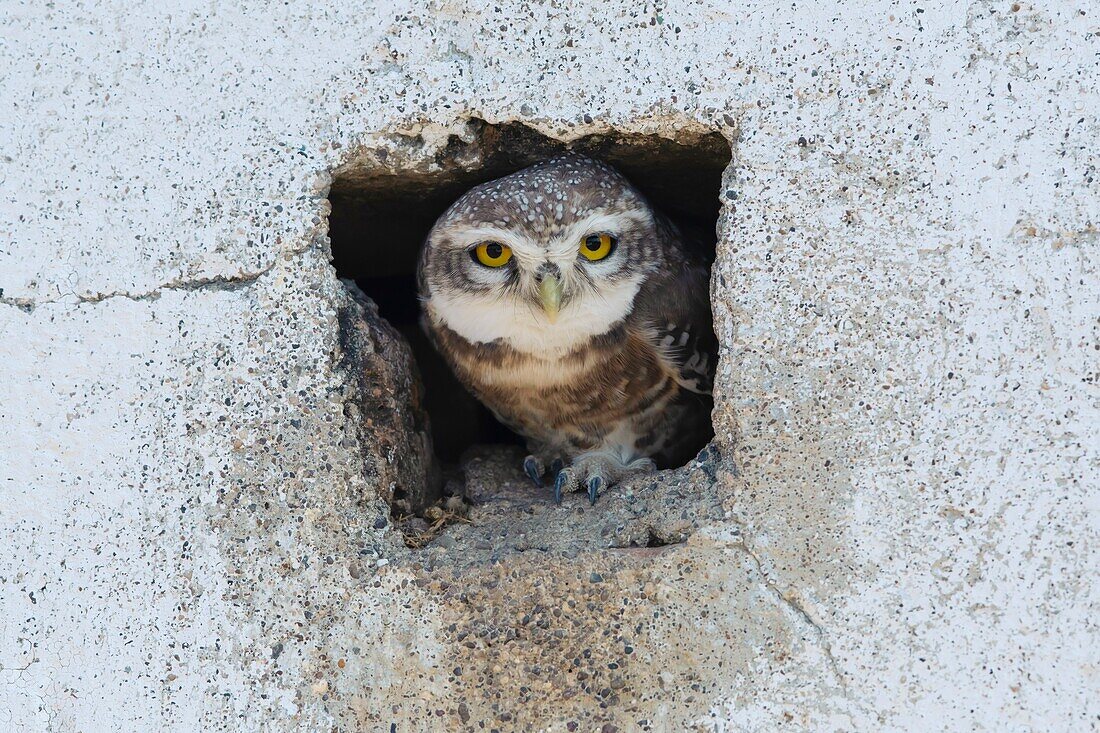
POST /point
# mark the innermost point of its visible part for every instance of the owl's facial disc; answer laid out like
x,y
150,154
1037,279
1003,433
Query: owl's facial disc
x,y
556,272
542,260
542,291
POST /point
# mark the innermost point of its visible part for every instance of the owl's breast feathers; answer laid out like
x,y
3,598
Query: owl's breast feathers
x,y
643,384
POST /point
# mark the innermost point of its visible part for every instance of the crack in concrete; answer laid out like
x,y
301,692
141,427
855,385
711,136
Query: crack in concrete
x,y
819,632
24,304
213,282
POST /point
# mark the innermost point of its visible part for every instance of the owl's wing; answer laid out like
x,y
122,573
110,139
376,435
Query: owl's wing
x,y
675,307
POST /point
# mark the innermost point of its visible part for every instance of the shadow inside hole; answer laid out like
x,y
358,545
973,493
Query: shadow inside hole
x,y
380,217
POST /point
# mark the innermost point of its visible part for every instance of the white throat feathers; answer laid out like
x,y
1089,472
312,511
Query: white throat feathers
x,y
482,319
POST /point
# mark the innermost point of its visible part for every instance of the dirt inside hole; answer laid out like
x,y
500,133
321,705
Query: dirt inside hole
x,y
384,205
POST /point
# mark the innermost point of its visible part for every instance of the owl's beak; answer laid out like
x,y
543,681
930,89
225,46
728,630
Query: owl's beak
x,y
550,296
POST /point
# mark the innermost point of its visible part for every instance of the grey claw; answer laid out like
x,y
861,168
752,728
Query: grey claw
x,y
558,483
556,466
531,468
594,485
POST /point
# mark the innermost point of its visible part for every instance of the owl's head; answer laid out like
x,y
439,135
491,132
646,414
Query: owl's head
x,y
543,259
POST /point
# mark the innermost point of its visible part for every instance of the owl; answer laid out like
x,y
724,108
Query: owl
x,y
577,314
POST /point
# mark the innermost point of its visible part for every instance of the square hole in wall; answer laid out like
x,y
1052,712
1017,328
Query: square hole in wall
x,y
381,215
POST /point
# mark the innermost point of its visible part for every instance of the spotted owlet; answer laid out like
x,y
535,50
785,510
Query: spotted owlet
x,y
575,313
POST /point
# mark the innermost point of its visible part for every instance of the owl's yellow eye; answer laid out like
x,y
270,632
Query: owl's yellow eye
x,y
493,254
597,246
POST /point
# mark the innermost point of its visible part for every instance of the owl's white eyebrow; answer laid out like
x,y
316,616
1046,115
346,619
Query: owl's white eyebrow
x,y
476,235
603,221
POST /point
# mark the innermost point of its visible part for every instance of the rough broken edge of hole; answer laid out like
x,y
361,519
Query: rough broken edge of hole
x,y
383,201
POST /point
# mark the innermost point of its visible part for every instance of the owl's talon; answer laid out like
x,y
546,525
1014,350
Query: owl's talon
x,y
556,466
564,477
533,468
594,484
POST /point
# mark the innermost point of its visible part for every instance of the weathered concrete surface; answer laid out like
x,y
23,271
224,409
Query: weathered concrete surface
x,y
387,407
906,292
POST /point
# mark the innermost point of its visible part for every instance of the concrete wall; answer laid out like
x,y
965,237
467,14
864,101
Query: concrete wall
x,y
906,292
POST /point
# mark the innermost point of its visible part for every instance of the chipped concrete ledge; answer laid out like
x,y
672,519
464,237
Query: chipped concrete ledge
x,y
892,533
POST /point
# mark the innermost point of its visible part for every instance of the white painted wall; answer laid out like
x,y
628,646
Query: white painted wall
x,y
907,289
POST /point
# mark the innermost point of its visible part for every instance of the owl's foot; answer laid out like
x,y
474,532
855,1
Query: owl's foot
x,y
535,468
593,471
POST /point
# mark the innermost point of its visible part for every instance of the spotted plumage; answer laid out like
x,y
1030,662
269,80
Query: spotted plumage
x,y
575,313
